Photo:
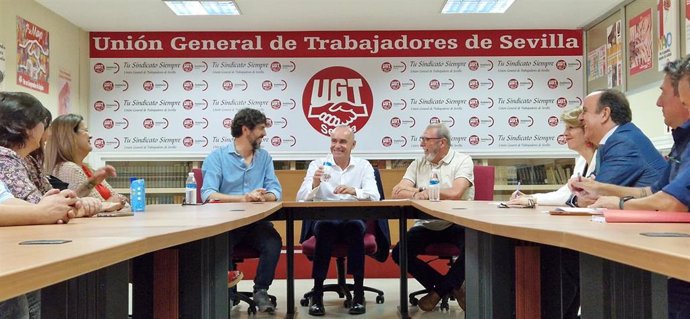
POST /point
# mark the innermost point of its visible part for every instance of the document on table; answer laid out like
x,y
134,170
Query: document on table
x,y
576,211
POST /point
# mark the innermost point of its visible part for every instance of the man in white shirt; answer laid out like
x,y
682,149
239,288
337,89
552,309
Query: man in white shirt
x,y
457,180
351,178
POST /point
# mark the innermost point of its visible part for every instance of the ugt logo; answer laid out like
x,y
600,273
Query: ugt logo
x,y
337,96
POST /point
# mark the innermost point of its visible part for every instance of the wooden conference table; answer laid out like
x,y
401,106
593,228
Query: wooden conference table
x,y
621,270
622,273
99,251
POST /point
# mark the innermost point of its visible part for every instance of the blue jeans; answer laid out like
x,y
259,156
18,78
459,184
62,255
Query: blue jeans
x,y
262,237
417,239
22,307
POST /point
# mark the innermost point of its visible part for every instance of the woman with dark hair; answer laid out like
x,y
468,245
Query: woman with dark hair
x,y
68,145
23,121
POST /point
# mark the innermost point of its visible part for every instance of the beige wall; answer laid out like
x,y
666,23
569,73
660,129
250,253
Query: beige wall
x,y
646,115
68,52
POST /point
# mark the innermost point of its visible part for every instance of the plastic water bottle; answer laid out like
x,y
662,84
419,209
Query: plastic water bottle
x,y
190,189
137,194
327,167
435,185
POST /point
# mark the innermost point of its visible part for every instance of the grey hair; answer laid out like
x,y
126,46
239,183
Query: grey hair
x,y
441,131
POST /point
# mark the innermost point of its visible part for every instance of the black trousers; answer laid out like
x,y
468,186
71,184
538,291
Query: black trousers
x,y
327,233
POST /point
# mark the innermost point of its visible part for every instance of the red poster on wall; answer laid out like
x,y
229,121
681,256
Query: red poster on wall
x,y
33,53
640,42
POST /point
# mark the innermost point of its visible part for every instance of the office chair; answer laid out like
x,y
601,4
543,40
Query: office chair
x,y
483,190
343,289
240,253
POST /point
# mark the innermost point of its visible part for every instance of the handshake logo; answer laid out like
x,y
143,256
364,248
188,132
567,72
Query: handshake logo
x,y
337,96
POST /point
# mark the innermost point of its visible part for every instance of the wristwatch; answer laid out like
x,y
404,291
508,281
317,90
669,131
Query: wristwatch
x,y
623,200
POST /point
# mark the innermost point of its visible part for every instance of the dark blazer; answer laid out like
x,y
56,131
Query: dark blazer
x,y
628,158
382,235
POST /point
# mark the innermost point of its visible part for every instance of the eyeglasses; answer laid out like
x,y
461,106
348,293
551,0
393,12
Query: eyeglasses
x,y
426,139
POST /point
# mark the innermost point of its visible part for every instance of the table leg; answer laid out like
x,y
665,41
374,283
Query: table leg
x,y
489,275
98,294
203,278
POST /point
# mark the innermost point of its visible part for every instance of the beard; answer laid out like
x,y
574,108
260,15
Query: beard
x,y
431,155
256,144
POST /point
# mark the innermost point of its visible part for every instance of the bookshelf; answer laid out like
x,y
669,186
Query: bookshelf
x,y
536,175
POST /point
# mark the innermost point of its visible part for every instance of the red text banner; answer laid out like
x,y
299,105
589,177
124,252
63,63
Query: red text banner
x,y
337,44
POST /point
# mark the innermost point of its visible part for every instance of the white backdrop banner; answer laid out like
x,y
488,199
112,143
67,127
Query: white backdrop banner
x,y
499,91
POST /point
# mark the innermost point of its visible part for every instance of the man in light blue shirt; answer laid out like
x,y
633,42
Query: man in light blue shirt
x,y
243,172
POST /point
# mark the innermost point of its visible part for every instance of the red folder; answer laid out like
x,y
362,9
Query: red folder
x,y
645,216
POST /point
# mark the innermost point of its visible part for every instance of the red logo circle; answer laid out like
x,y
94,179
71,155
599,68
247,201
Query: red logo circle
x,y
99,106
188,85
187,66
108,86
337,96
386,67
267,85
561,139
552,83
275,66
434,84
99,143
473,65
513,84
188,123
395,84
387,141
473,102
474,121
276,141
227,122
148,123
187,104
386,104
98,67
108,123
227,85
513,121
395,122
561,65
269,122
276,104
553,121
188,141
562,102
473,139
148,85
474,84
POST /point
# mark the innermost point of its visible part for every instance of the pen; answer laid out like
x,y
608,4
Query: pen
x,y
579,177
517,188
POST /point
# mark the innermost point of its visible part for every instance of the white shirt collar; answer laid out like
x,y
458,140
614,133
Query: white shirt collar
x,y
608,134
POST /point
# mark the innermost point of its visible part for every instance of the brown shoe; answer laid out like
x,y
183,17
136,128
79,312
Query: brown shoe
x,y
429,302
459,295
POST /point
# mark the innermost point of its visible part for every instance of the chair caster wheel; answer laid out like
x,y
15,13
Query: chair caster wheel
x,y
379,299
413,301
